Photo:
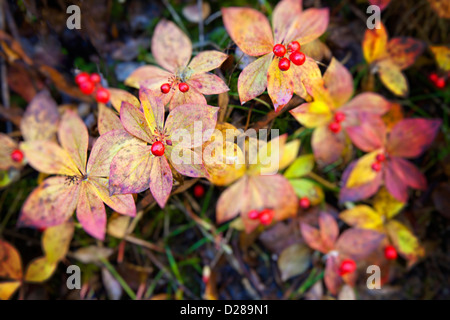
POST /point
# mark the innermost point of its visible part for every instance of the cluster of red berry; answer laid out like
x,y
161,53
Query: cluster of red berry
x,y
335,126
298,58
17,156
165,87
88,83
439,82
379,159
265,216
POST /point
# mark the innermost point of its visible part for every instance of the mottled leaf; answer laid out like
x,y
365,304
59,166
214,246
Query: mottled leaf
x,y
208,83
283,16
40,120
134,122
104,150
309,25
107,120
91,212
130,170
49,158
253,79
51,203
403,51
442,56
206,61
7,146
161,180
280,85
149,77
386,205
171,48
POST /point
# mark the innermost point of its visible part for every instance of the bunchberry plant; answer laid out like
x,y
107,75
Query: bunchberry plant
x,y
79,183
180,81
276,47
148,163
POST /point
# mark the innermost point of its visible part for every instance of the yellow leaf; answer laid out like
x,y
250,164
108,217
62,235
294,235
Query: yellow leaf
x,y
386,205
10,261
442,56
117,225
393,78
39,270
363,217
375,43
300,167
7,289
290,152
405,241
269,156
362,173
313,114
119,95
56,241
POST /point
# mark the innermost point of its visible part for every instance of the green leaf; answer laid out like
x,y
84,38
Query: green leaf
x,y
300,167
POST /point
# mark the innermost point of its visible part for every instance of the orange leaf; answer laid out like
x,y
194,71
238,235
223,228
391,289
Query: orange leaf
x,y
10,261
249,29
7,289
375,44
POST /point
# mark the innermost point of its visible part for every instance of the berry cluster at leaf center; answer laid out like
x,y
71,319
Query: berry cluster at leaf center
x,y
295,56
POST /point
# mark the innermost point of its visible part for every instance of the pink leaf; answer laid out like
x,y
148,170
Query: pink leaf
x,y
208,83
91,212
253,79
161,180
370,134
134,122
206,61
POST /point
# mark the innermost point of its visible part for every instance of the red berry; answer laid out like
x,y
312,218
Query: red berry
x,y
81,77
184,87
102,95
253,214
87,87
297,58
347,266
284,64
95,78
305,203
165,88
376,166
294,46
433,77
17,156
199,191
266,216
440,83
380,157
339,116
390,253
158,148
334,127
279,50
